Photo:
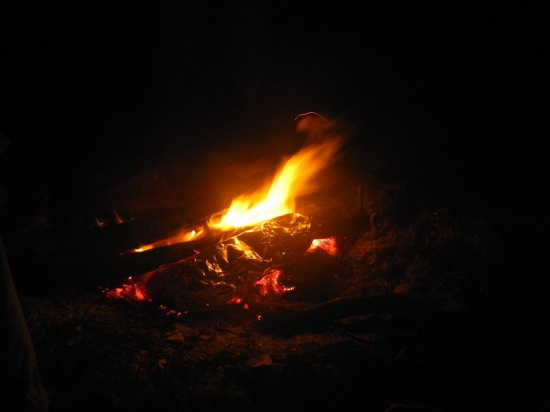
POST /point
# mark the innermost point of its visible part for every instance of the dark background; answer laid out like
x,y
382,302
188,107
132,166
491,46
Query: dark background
x,y
447,95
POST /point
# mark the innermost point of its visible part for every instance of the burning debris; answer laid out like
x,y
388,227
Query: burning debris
x,y
248,268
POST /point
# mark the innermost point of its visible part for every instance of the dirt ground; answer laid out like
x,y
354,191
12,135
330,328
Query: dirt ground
x,y
422,317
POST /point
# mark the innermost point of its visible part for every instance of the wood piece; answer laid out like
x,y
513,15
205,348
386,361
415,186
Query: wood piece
x,y
291,317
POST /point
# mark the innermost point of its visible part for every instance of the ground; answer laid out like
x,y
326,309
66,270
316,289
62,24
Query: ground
x,y
100,354
422,318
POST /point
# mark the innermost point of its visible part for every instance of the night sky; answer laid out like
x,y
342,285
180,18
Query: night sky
x,y
445,93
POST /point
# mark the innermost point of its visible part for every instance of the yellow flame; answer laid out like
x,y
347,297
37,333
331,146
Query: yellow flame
x,y
294,179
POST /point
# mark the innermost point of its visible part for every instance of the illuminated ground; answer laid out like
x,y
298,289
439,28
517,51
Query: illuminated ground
x,y
457,337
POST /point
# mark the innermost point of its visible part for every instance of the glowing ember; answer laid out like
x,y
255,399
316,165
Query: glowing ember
x,y
235,300
327,246
131,291
294,179
269,284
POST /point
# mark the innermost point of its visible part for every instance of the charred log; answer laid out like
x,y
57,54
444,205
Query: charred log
x,y
293,318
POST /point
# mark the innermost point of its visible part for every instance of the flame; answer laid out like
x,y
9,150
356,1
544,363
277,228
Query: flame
x,y
105,221
292,180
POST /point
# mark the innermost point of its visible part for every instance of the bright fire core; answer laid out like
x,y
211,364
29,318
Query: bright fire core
x,y
293,179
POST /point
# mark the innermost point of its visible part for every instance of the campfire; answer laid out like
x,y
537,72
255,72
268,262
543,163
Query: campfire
x,y
249,253
292,244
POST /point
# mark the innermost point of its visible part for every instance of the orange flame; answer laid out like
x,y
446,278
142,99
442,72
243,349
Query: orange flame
x,y
293,179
